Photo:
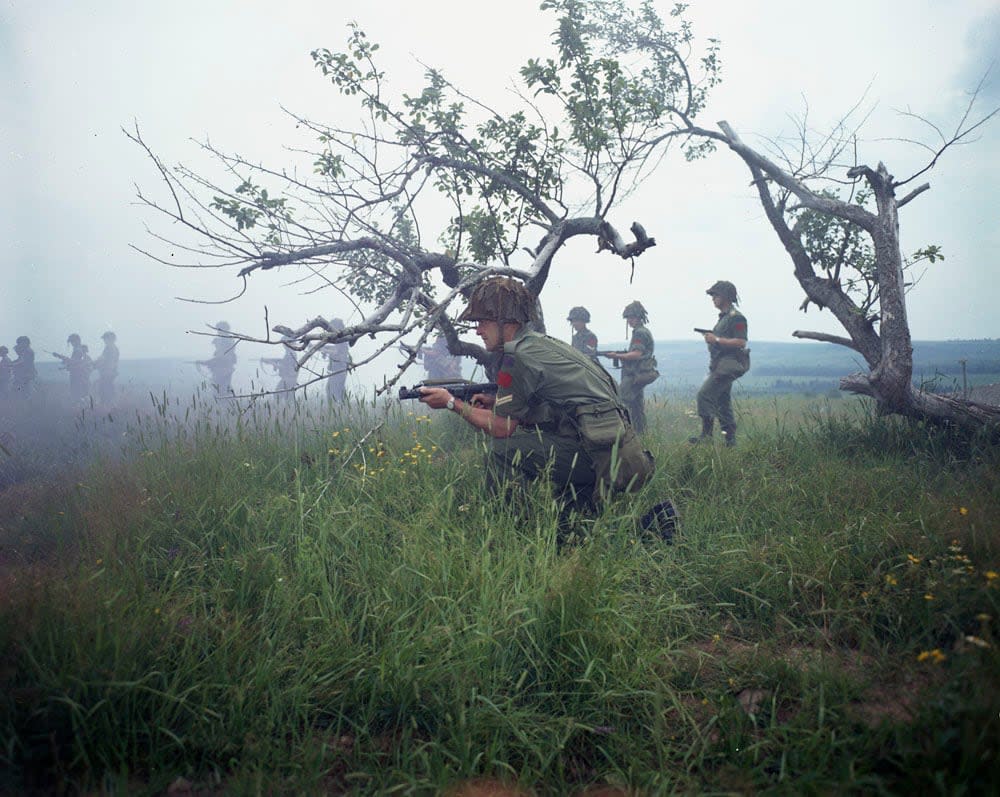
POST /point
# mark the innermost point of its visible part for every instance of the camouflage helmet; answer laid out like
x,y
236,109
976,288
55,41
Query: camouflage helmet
x,y
500,299
635,310
109,335
579,314
23,340
724,289
223,326
73,338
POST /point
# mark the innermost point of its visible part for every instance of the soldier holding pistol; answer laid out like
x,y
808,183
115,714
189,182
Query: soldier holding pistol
x,y
729,359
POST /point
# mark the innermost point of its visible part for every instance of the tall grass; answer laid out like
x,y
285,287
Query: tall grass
x,y
313,599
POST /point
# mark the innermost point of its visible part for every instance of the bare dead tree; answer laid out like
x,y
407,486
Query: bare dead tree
x,y
432,192
847,257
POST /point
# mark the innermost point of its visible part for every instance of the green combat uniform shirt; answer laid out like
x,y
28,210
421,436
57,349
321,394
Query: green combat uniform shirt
x,y
585,341
541,377
731,324
642,341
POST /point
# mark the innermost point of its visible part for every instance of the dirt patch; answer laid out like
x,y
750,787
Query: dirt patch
x,y
894,701
484,787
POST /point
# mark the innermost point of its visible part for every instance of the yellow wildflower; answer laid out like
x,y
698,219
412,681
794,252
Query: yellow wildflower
x,y
991,575
890,579
963,511
928,596
934,656
914,560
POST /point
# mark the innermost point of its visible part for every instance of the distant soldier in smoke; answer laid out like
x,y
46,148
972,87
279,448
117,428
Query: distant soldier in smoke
x,y
439,362
107,369
338,361
79,365
222,365
288,372
6,372
23,381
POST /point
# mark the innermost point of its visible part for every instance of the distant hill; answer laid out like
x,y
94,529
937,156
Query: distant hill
x,y
778,367
816,367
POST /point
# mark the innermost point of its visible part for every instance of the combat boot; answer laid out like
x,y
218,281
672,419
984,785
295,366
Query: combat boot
x,y
706,431
729,432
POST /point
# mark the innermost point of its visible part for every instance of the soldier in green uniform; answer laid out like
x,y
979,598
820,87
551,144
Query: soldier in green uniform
x,y
729,359
556,411
583,339
638,364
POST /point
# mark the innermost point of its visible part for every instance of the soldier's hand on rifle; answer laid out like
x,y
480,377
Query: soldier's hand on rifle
x,y
435,397
485,400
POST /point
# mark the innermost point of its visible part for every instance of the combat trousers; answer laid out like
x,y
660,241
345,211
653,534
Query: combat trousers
x,y
634,399
715,398
529,454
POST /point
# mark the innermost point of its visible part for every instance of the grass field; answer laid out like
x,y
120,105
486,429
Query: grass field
x,y
317,602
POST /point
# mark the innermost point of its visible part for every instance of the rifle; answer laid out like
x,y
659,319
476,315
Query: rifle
x,y
460,389
615,362
59,356
701,331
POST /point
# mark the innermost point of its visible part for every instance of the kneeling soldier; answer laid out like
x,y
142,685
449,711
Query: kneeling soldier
x,y
556,412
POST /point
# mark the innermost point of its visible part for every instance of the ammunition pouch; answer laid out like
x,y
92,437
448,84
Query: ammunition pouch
x,y
620,462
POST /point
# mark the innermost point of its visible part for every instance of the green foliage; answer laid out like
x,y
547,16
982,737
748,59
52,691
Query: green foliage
x,y
251,206
317,600
844,251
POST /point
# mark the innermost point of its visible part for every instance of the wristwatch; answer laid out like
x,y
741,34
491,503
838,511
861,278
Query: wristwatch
x,y
451,403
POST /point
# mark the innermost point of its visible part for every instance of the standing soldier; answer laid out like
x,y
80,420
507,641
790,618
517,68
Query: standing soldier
x,y
338,362
107,369
583,339
79,365
288,372
222,365
441,363
638,364
23,379
729,359
6,372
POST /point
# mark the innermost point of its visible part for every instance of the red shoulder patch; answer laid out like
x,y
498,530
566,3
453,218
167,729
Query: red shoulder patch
x,y
504,379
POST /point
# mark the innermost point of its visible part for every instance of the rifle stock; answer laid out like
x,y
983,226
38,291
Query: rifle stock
x,y
460,390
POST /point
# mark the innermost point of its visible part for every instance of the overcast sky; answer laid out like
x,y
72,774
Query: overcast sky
x,y
74,73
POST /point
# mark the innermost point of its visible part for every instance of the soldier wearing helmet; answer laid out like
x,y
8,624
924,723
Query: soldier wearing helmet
x,y
729,359
638,364
79,365
583,339
106,366
222,364
547,391
24,373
